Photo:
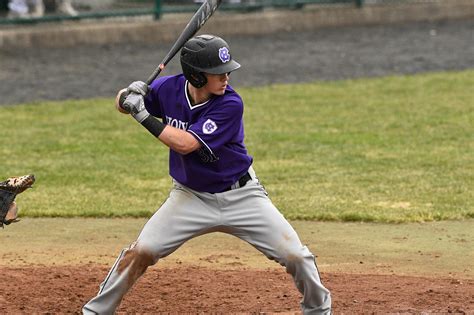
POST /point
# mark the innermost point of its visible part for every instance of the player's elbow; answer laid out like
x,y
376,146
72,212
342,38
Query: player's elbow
x,y
179,140
187,146
184,143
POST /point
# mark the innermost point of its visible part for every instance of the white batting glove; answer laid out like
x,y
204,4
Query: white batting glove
x,y
138,87
135,105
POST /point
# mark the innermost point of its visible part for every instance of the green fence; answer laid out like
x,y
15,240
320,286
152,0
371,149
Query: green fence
x,y
156,8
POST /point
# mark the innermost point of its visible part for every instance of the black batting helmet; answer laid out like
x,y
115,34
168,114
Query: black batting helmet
x,y
206,54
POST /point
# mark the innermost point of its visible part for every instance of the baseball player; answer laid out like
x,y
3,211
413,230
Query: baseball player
x,y
215,188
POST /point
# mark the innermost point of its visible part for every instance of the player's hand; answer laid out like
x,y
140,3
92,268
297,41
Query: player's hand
x,y
135,105
138,87
120,99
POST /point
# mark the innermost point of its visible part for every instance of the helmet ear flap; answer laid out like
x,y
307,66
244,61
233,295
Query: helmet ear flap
x,y
197,79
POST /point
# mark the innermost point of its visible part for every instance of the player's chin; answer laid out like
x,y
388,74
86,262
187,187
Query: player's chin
x,y
220,91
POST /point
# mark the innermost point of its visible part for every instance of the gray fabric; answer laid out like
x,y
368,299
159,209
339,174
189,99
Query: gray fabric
x,y
246,213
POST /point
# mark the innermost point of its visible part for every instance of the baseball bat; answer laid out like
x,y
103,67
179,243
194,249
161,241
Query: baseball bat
x,y
196,22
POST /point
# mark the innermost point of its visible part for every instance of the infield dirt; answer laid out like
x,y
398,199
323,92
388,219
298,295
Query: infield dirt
x,y
184,289
56,265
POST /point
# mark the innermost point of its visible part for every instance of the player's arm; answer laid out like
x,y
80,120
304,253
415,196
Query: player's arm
x,y
130,101
179,140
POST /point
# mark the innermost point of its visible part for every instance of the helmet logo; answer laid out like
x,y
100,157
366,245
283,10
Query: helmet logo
x,y
224,54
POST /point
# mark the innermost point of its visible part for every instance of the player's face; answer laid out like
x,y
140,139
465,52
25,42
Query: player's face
x,y
217,83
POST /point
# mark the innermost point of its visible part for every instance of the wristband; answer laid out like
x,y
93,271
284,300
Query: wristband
x,y
153,125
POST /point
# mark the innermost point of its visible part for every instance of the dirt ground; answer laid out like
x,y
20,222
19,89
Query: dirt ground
x,y
53,290
408,271
338,53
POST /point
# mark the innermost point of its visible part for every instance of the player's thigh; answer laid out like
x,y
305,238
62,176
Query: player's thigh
x,y
181,217
256,220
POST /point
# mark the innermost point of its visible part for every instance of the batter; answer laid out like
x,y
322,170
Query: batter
x,y
215,188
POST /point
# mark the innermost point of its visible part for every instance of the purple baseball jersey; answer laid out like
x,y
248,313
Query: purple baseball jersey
x,y
217,124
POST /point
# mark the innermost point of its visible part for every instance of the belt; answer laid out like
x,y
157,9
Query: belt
x,y
241,182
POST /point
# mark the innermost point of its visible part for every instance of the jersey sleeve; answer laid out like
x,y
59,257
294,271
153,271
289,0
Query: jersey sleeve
x,y
219,126
152,99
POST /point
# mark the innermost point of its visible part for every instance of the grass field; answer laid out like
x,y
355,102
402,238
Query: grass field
x,y
396,149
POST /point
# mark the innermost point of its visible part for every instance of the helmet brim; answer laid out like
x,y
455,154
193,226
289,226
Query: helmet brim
x,y
224,68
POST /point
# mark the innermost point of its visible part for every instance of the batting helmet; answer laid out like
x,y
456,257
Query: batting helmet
x,y
206,54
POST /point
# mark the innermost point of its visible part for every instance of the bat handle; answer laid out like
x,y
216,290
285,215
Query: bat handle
x,y
155,73
152,78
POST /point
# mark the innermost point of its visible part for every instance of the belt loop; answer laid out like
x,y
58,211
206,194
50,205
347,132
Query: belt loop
x,y
235,185
251,172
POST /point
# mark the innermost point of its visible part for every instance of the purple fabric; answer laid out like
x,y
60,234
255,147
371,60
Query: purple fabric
x,y
217,124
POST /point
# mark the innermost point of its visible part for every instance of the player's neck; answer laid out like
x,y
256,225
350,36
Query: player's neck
x,y
198,96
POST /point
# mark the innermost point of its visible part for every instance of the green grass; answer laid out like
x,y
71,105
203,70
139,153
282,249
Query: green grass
x,y
396,149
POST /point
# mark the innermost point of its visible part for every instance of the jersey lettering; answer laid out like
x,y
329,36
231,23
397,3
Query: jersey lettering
x,y
216,124
173,122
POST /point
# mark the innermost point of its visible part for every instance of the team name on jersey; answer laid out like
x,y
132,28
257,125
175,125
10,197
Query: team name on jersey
x,y
173,122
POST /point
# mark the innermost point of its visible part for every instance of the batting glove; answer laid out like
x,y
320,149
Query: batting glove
x,y
138,87
135,105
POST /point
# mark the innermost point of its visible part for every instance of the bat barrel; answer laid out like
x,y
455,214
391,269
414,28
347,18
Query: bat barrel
x,y
193,26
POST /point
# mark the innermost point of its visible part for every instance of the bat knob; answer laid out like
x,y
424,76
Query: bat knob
x,y
122,98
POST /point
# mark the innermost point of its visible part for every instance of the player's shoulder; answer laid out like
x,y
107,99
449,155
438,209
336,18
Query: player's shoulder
x,y
230,102
231,96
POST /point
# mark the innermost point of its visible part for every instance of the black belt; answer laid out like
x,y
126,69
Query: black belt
x,y
242,181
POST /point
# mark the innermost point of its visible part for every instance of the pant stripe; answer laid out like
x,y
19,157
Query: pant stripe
x,y
111,270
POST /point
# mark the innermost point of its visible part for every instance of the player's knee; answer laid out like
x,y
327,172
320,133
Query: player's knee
x,y
296,256
145,255
137,259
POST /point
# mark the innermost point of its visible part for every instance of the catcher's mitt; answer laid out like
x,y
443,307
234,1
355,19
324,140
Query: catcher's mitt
x,y
8,191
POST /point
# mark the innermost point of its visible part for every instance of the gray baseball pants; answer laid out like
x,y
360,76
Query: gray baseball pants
x,y
244,212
